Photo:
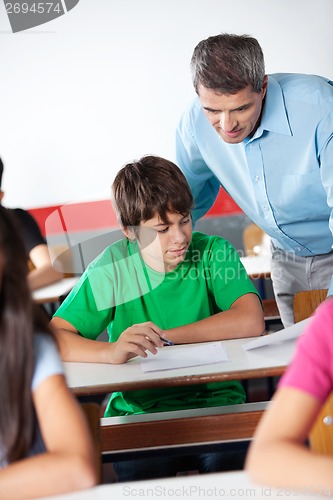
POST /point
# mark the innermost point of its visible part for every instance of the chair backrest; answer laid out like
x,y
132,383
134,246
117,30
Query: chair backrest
x,y
92,412
255,241
306,302
321,435
62,259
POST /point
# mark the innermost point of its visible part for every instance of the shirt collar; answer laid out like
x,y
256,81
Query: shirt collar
x,y
274,116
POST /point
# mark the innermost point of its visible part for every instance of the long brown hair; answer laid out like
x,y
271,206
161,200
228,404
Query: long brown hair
x,y
19,320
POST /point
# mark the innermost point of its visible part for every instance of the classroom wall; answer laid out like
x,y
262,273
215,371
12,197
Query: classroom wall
x,y
106,83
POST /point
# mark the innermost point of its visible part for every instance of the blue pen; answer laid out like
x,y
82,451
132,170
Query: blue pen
x,y
167,342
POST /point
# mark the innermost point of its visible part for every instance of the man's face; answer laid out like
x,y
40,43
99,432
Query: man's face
x,y
234,116
163,244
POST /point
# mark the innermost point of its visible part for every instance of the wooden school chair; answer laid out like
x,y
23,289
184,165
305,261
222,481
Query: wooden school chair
x,y
92,413
321,434
306,302
254,240
256,243
62,259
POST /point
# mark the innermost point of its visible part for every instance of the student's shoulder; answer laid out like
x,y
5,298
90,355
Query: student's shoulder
x,y
22,215
210,242
320,325
117,251
43,343
28,227
47,358
316,339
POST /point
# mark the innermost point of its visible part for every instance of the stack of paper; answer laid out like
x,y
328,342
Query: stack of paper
x,y
289,333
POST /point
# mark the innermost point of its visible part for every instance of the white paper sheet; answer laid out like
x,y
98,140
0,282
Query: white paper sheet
x,y
289,333
183,356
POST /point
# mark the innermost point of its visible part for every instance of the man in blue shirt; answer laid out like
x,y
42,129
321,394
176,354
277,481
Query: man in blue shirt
x,y
267,139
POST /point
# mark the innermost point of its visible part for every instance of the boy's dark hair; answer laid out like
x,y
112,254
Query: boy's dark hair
x,y
150,186
1,172
227,63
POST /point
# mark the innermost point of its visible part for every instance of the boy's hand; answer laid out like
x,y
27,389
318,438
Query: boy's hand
x,y
135,341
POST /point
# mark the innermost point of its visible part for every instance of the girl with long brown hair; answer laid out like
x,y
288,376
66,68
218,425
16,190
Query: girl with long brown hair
x,y
45,447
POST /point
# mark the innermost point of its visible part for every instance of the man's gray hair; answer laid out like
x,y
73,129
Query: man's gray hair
x,y
228,63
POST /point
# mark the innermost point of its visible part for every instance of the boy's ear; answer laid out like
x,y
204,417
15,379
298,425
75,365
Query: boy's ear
x,y
129,233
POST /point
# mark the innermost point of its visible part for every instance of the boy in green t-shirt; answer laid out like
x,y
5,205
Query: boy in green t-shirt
x,y
160,282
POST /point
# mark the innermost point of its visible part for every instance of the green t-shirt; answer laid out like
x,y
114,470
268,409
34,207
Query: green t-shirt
x,y
118,290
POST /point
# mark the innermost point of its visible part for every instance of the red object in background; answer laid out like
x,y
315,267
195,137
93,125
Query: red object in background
x,y
99,214
224,205
75,217
41,214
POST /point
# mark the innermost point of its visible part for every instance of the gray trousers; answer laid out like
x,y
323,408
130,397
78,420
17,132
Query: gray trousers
x,y
291,274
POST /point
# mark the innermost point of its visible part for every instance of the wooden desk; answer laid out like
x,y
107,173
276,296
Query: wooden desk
x,y
226,485
54,292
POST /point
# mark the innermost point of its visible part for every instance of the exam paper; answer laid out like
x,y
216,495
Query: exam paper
x,y
289,333
183,356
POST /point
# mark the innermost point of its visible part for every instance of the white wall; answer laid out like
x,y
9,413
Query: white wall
x,y
106,83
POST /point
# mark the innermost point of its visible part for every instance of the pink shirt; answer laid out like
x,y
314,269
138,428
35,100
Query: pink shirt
x,y
311,369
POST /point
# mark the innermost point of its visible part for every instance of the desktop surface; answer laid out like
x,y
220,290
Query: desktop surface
x,y
227,485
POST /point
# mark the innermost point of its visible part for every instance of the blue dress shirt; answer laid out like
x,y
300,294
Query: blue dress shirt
x,y
282,177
